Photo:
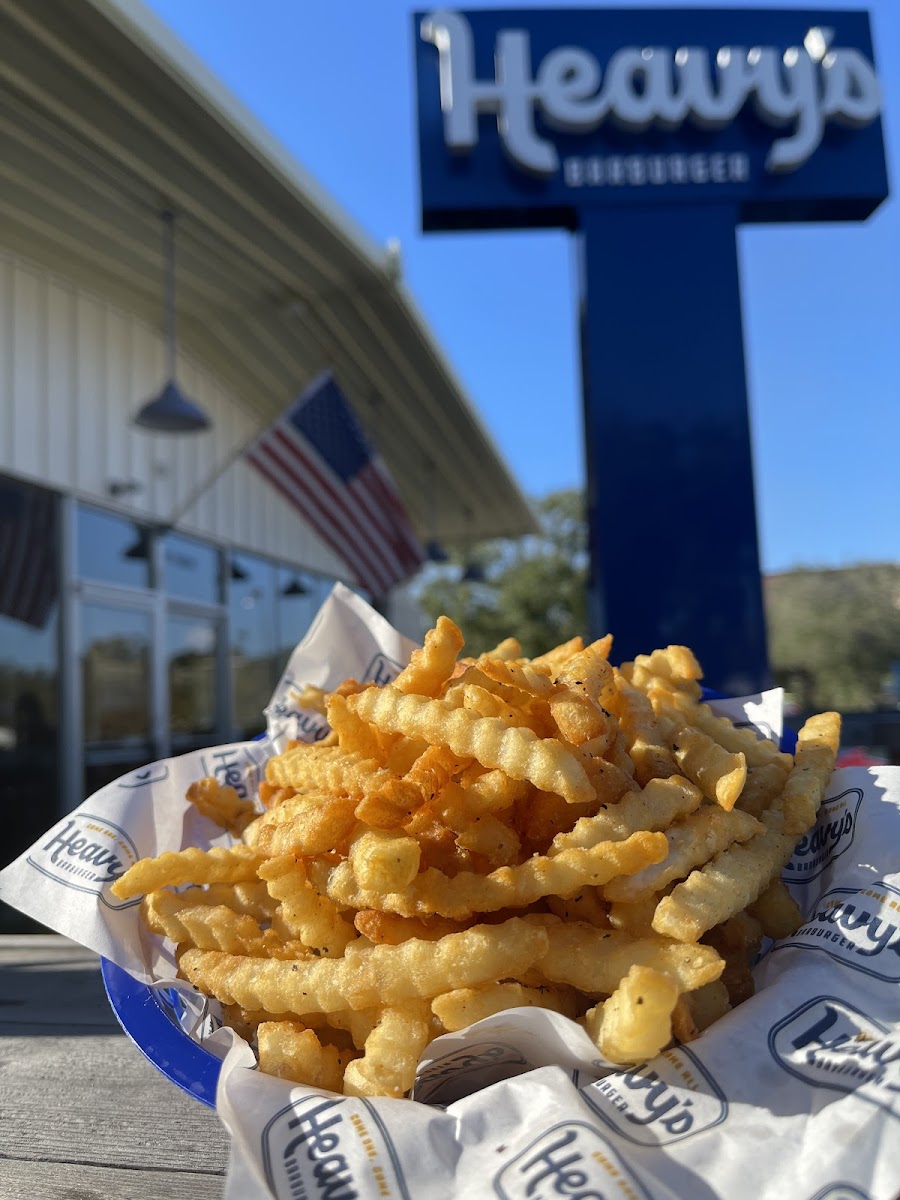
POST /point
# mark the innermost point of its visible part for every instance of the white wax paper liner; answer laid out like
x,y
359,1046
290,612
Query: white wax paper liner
x,y
794,1094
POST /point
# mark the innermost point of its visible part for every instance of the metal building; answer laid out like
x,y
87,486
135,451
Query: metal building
x,y
123,638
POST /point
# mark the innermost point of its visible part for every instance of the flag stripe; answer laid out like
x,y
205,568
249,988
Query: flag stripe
x,y
303,482
318,457
293,490
351,520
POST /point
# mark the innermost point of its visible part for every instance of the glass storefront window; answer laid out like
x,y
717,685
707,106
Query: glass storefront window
x,y
255,668
115,675
112,549
191,662
190,569
29,672
300,596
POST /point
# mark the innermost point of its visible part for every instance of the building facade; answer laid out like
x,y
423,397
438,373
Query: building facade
x,y
152,585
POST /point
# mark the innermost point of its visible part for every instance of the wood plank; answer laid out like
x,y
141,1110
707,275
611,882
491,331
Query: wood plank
x,y
78,1101
96,1099
61,1181
51,981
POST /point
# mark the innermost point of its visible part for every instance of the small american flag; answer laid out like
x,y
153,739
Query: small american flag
x,y
318,457
27,553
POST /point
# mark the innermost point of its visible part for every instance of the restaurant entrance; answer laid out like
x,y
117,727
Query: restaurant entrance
x,y
153,679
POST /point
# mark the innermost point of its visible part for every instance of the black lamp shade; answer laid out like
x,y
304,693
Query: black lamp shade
x,y
436,553
172,412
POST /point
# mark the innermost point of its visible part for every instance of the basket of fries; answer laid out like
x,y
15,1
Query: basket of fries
x,y
567,924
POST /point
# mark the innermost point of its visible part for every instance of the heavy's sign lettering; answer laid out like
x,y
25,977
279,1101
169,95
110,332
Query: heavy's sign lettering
x,y
525,116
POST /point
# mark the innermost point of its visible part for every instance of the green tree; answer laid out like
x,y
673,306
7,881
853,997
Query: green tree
x,y
533,588
834,636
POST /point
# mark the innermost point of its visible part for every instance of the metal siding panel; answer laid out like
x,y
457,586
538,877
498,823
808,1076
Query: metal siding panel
x,y
60,351
27,373
7,334
90,400
117,372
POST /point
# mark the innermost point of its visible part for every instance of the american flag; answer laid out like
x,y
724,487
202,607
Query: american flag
x,y
27,553
318,457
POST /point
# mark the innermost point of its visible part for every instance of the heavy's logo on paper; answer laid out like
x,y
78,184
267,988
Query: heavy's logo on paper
x,y
570,1160
832,1044
330,1149
831,836
86,853
467,1069
660,1102
381,670
233,767
856,926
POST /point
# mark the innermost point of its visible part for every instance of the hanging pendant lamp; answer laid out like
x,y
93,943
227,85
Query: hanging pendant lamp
x,y
171,411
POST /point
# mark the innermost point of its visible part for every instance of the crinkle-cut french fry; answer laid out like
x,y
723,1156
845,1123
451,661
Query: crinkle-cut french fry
x,y
431,667
391,1054
586,905
757,750
696,1011
738,941
718,774
314,824
506,651
243,1022
497,842
383,861
777,911
354,735
493,790
726,885
692,841
251,897
647,743
519,752
521,677
675,663
554,660
367,977
310,917
763,787
635,1023
609,782
232,864
660,803
310,696
349,774
814,758
464,1006
596,960
543,814
221,804
290,1051
634,917
212,926
462,895
387,929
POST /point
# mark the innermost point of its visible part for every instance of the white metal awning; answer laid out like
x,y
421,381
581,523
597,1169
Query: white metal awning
x,y
105,119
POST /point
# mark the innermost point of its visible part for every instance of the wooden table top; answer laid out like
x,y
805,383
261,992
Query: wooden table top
x,y
83,1115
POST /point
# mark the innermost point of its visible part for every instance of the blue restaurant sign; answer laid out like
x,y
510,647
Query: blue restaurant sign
x,y
653,134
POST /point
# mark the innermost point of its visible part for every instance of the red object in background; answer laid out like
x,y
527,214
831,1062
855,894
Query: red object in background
x,y
859,756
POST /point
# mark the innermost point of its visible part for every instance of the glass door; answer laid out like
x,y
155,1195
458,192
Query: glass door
x,y
116,658
196,675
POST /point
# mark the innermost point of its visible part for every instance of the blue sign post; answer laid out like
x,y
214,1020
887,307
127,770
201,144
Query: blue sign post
x,y
653,134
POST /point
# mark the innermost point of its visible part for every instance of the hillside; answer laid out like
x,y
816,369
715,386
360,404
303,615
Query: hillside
x,y
834,635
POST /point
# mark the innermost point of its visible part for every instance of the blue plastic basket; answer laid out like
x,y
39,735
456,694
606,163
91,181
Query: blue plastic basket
x,y
149,1016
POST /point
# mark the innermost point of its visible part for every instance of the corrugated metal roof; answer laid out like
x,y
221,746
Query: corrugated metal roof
x,y
104,120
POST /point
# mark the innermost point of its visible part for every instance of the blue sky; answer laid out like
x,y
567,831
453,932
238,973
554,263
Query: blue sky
x,y
333,81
